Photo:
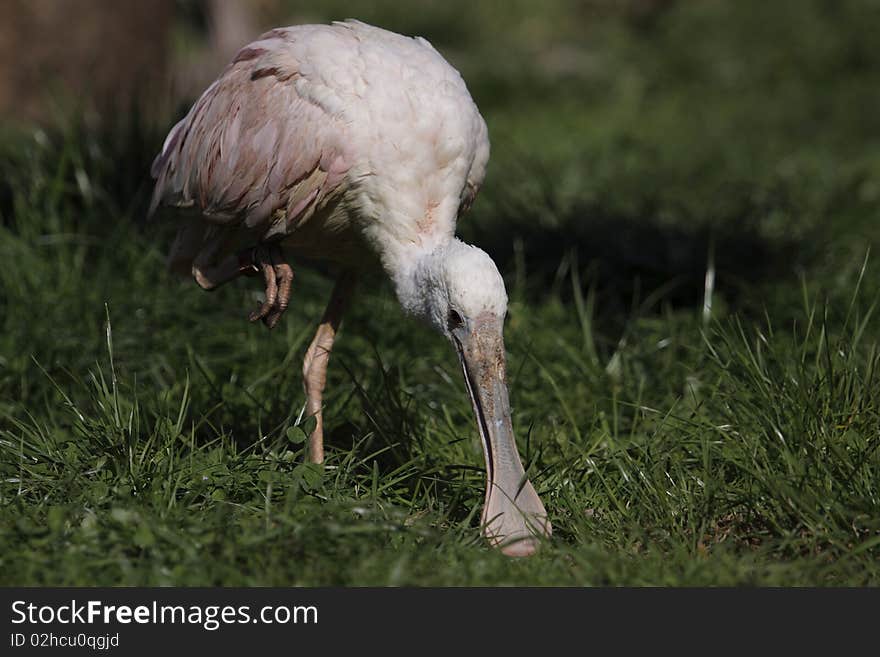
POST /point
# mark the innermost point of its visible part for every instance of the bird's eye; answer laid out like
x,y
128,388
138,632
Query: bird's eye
x,y
454,320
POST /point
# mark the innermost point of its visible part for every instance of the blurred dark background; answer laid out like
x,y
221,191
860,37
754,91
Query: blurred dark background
x,y
637,143
100,52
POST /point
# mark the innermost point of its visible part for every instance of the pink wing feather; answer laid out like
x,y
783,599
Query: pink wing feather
x,y
252,156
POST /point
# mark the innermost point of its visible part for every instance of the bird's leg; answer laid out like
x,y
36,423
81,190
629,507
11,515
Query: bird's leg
x,y
278,276
316,360
211,276
266,259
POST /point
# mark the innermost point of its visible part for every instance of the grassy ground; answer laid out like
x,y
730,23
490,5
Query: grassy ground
x,y
683,206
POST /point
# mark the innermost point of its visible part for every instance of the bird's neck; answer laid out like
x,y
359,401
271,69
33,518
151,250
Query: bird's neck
x,y
417,275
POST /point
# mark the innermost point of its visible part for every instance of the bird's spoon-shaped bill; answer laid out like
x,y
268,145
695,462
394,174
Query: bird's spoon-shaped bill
x,y
513,518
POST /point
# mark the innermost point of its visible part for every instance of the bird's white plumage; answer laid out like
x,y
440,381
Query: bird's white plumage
x,y
421,139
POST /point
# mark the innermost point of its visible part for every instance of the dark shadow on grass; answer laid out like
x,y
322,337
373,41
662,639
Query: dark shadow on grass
x,y
627,258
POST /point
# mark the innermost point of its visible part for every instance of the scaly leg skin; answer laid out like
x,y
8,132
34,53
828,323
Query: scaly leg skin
x,y
316,360
278,276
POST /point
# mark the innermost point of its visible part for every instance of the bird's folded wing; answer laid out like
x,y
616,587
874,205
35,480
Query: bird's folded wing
x,y
256,148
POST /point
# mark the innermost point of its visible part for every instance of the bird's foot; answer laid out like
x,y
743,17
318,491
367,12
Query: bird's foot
x,y
268,259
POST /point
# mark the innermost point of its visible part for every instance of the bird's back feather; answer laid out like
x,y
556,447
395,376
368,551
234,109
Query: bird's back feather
x,y
252,144
315,126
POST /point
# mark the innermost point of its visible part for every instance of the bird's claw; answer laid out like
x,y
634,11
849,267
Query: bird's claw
x,y
278,276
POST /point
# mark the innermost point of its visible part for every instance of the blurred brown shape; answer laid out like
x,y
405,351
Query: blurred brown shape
x,y
230,25
99,54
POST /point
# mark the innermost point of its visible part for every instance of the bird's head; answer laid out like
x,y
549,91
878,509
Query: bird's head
x,y
458,290
459,286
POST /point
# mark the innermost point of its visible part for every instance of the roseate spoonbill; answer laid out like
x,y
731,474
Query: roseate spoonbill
x,y
358,146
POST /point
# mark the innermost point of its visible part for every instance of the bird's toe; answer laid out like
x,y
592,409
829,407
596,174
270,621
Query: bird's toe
x,y
279,284
273,317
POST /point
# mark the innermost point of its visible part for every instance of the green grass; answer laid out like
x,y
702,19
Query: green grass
x,y
682,429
